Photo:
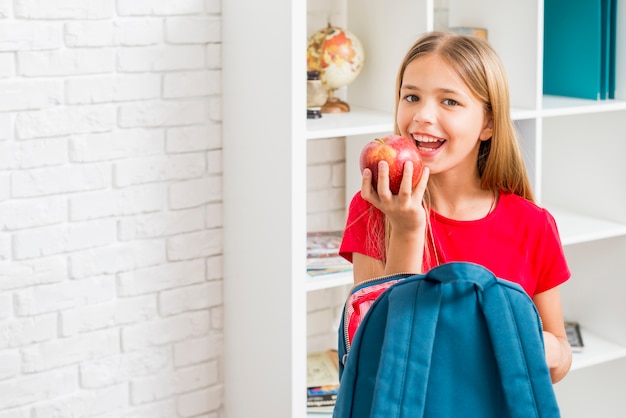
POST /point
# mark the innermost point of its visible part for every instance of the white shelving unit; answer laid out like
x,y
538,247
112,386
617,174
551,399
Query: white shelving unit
x,y
575,151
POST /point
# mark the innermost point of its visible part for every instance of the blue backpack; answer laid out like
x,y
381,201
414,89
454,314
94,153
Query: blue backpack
x,y
456,342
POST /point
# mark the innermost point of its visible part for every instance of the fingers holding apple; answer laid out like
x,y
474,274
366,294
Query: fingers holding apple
x,y
395,150
408,181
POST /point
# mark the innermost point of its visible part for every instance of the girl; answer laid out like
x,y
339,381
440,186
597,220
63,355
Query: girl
x,y
474,201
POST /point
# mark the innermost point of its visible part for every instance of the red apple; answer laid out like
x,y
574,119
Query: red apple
x,y
396,150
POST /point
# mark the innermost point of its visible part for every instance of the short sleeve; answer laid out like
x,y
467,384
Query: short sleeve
x,y
554,269
364,230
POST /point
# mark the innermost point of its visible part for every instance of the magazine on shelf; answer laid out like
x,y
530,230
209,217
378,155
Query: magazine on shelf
x,y
322,380
323,253
574,336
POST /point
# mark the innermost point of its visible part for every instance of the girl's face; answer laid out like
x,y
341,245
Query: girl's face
x,y
438,111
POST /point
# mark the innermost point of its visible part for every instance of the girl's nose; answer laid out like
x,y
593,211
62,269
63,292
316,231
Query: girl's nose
x,y
424,112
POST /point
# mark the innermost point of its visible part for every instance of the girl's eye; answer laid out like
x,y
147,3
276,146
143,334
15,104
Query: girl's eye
x,y
450,102
411,98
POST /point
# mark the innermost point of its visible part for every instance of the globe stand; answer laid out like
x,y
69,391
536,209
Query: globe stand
x,y
335,105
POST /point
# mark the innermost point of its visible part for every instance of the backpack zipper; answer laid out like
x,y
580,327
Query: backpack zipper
x,y
364,283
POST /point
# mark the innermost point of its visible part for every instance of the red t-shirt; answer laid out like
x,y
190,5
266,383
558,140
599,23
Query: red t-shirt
x,y
518,241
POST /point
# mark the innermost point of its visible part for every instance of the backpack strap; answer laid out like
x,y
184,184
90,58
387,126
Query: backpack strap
x,y
517,345
407,336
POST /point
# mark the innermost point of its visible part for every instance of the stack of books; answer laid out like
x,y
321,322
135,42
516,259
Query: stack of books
x,y
574,336
579,48
322,380
323,254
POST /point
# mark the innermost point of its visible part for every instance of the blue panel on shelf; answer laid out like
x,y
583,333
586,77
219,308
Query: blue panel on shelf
x,y
579,48
572,48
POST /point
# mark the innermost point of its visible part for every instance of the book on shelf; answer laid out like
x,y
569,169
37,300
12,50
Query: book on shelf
x,y
323,254
322,380
574,336
470,30
579,48
612,40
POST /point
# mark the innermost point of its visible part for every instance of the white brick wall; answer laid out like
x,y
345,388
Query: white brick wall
x,y
110,208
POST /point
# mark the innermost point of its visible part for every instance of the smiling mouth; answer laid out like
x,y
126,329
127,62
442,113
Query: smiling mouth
x,y
428,143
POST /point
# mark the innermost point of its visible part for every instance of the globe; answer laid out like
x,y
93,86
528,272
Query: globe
x,y
338,56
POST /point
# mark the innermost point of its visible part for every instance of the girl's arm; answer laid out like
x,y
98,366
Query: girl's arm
x,y
366,267
558,350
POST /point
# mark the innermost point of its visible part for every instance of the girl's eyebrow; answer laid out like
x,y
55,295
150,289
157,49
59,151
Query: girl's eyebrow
x,y
440,90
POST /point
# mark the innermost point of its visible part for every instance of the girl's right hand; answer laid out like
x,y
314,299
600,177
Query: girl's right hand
x,y
404,210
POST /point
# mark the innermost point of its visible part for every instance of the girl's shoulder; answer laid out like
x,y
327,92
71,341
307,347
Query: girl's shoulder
x,y
513,202
521,208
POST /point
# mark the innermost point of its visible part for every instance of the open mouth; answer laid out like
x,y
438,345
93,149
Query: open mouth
x,y
428,143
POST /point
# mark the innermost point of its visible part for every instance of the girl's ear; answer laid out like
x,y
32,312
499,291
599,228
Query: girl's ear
x,y
487,131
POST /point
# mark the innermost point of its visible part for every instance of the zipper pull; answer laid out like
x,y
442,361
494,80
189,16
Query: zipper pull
x,y
344,358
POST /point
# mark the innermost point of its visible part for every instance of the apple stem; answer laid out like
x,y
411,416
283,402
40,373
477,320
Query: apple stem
x,y
379,140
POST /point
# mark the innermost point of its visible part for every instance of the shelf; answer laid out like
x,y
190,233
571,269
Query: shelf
x,y
326,282
362,121
565,106
597,351
576,229
319,414
358,121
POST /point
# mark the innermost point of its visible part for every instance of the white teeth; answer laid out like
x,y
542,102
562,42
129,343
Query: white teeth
x,y
426,139
419,140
